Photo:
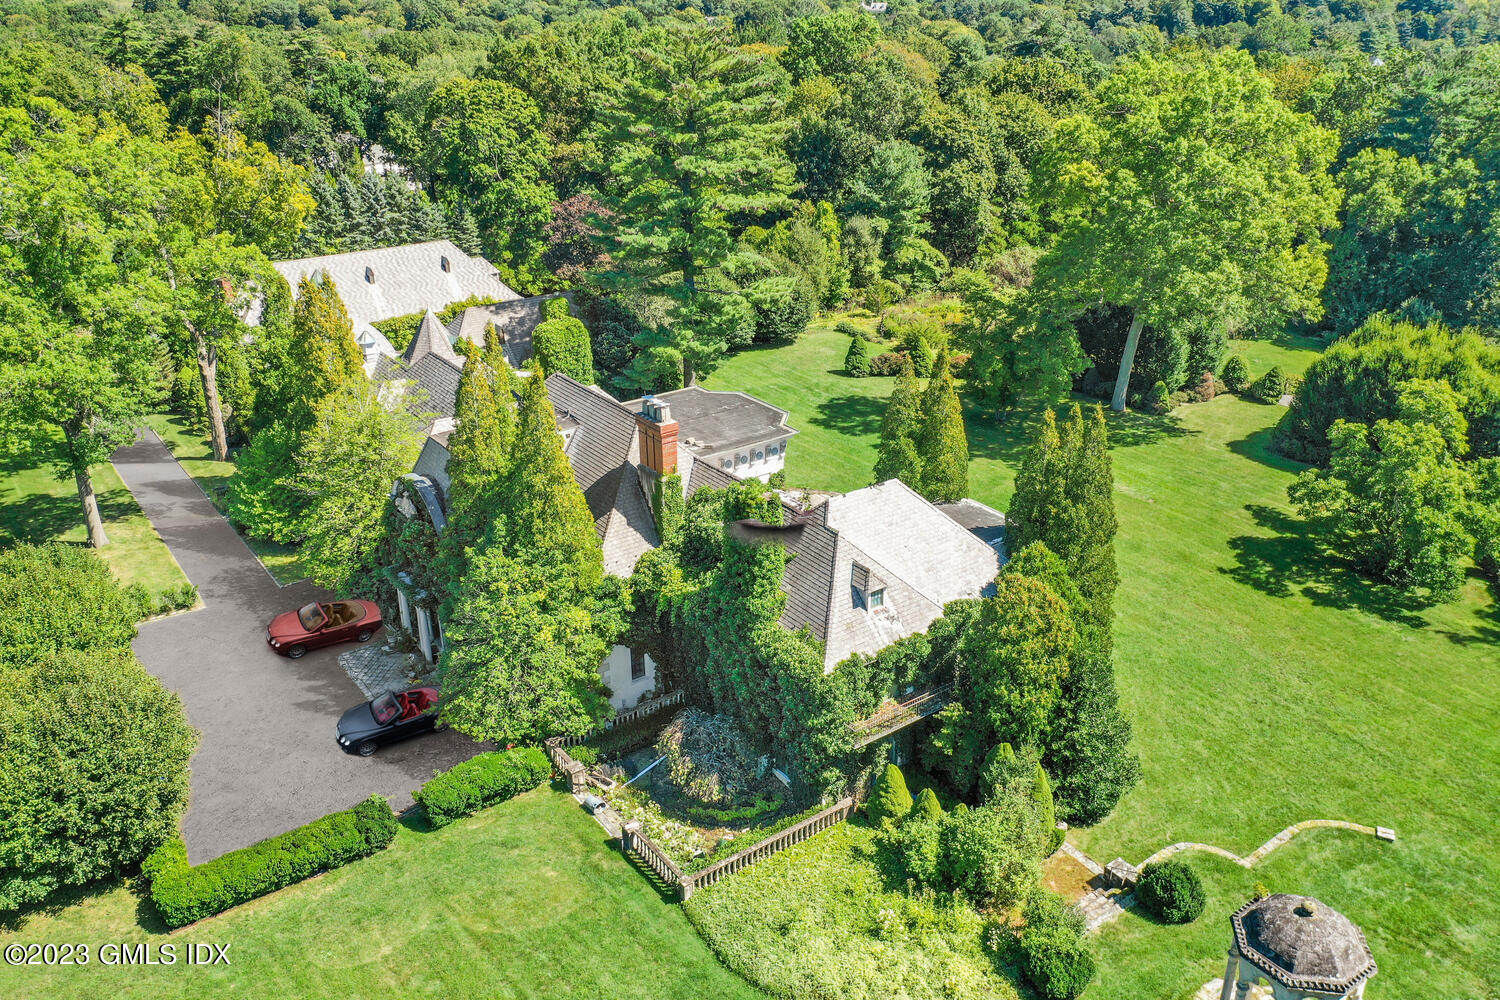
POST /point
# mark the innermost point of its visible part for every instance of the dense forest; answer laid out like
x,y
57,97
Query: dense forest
x,y
1091,187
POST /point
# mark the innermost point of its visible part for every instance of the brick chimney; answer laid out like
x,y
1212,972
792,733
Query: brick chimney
x,y
658,433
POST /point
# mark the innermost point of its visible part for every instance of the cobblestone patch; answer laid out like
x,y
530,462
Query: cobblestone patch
x,y
378,669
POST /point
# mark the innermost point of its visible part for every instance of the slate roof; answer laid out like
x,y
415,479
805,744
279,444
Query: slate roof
x,y
515,320
919,555
714,422
398,281
434,381
985,523
432,338
1299,942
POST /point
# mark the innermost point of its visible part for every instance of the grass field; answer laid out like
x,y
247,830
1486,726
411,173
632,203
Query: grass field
x,y
194,453
525,900
37,507
1268,684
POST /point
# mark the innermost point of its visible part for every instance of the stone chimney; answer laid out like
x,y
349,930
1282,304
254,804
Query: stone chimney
x,y
658,434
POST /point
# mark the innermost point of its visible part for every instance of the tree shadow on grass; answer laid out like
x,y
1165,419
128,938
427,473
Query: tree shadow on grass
x,y
1291,562
62,899
1006,435
1257,448
851,415
37,518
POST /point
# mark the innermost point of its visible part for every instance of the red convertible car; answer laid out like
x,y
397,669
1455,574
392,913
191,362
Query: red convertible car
x,y
314,625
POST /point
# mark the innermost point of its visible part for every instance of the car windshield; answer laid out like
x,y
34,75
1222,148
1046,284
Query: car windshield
x,y
385,708
311,616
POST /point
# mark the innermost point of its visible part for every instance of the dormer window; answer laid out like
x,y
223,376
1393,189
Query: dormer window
x,y
369,276
445,265
877,598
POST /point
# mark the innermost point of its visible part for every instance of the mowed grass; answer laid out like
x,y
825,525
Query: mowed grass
x,y
525,900
1268,684
37,507
194,453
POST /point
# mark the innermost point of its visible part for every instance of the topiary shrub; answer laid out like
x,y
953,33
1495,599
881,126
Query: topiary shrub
x,y
891,800
481,781
184,893
1158,400
857,360
1046,810
1236,374
922,358
1171,891
890,363
561,344
1271,386
927,805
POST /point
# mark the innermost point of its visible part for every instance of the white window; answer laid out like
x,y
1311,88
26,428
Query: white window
x,y
760,456
877,598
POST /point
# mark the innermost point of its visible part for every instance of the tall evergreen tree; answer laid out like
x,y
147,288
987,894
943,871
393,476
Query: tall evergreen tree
x,y
897,458
548,523
1065,499
695,139
323,348
479,446
942,443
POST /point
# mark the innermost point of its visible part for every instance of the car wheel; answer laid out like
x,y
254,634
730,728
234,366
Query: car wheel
x,y
297,652
366,748
365,634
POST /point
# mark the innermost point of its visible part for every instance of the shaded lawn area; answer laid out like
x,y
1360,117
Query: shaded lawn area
x,y
37,507
194,453
1268,683
525,900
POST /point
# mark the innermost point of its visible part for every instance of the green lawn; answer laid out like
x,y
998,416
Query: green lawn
x,y
525,900
37,507
1268,684
194,453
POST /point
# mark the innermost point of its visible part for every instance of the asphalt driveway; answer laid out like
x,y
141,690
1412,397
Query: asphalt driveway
x,y
266,759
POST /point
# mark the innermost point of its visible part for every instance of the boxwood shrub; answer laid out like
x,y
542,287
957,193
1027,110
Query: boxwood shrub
x,y
482,781
1172,891
184,893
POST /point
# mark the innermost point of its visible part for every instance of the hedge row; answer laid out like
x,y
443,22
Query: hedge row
x,y
184,893
482,781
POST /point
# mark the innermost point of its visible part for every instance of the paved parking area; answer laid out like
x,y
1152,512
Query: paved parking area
x,y
266,759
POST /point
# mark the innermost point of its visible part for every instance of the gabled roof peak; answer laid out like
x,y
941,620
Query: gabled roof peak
x,y
431,338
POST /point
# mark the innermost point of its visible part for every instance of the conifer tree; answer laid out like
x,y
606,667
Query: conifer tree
x,y
1092,563
323,348
891,800
897,458
548,523
857,360
942,443
480,443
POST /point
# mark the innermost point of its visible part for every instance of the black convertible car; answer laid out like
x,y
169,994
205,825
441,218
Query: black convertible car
x,y
387,718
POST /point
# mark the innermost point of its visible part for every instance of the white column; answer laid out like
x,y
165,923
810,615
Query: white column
x,y
1231,973
404,608
424,633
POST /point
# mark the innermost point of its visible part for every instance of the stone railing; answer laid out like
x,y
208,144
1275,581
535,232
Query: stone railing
x,y
780,841
577,774
633,840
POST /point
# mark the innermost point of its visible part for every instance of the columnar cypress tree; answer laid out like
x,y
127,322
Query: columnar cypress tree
x,y
479,445
942,443
897,458
548,521
323,347
1065,498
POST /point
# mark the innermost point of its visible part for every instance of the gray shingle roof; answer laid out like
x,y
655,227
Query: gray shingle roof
x,y
432,338
515,320
985,523
1303,944
398,281
433,379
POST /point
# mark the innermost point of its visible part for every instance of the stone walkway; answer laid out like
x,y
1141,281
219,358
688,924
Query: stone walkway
x,y
378,669
1104,905
1281,838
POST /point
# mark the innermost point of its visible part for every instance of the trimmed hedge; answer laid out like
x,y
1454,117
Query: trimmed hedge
x,y
184,893
482,781
1172,891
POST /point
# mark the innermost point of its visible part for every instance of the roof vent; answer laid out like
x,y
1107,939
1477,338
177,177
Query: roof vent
x,y
370,275
445,265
